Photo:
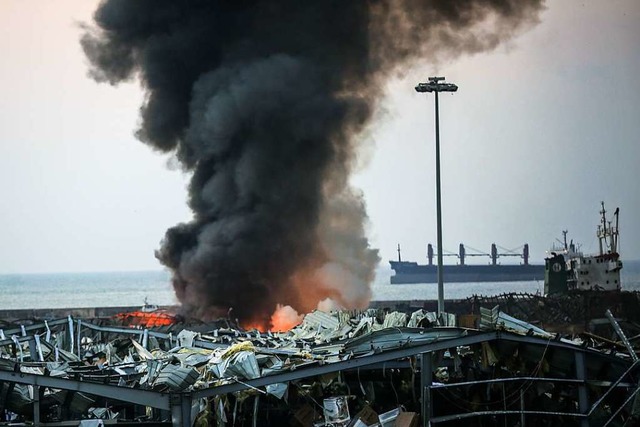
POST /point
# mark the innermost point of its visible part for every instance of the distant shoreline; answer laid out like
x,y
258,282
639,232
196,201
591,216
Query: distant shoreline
x,y
66,273
383,267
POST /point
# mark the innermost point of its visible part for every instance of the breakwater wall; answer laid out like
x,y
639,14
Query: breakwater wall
x,y
102,312
58,313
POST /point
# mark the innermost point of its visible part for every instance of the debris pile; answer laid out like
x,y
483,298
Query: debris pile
x,y
575,310
567,314
341,369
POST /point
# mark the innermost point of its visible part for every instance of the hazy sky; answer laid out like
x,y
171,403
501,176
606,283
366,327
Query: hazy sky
x,y
541,130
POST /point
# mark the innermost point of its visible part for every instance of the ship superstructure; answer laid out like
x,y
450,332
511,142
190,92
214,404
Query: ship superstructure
x,y
568,269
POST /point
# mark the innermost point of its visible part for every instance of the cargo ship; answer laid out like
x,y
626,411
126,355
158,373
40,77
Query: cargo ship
x,y
412,272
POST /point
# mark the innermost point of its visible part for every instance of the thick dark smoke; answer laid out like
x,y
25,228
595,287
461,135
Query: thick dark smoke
x,y
264,102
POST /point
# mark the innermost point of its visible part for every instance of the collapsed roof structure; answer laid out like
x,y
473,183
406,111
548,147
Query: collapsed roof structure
x,y
383,368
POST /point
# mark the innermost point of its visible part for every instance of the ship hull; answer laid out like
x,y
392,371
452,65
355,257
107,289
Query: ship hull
x,y
411,272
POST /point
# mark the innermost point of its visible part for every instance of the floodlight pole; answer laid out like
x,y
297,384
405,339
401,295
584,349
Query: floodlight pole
x,y
436,84
439,217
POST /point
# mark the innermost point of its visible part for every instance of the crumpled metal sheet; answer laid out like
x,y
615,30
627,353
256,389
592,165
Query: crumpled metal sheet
x,y
320,320
142,352
104,413
191,356
322,327
366,325
176,378
186,338
417,317
391,338
496,319
244,365
395,320
218,366
91,423
278,389
269,364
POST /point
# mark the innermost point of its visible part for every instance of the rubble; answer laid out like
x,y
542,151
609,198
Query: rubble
x,y
342,368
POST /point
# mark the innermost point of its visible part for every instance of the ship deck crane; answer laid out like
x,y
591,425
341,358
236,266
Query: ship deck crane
x,y
462,253
493,255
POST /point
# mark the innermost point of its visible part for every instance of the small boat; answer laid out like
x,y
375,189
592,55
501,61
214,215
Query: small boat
x,y
148,308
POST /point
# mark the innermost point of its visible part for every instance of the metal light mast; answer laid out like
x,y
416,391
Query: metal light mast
x,y
437,84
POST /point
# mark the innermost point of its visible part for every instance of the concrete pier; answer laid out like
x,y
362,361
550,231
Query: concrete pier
x,y
79,312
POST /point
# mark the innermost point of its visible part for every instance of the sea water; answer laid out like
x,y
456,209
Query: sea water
x,y
112,289
74,290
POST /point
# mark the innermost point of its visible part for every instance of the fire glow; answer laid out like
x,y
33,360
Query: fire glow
x,y
283,319
145,319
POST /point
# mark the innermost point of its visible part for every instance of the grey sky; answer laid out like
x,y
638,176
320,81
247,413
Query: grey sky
x,y
540,131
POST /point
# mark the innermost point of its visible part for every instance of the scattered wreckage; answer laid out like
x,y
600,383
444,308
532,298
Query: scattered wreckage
x,y
369,368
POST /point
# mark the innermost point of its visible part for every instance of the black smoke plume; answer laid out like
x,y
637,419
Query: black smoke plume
x,y
264,102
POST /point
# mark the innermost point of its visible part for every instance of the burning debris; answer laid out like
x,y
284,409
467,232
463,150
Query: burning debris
x,y
339,368
265,103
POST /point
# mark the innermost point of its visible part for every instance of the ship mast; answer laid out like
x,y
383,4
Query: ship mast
x,y
605,230
614,237
602,229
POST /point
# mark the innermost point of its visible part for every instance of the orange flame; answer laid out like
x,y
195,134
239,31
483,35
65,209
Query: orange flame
x,y
251,326
146,319
283,319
